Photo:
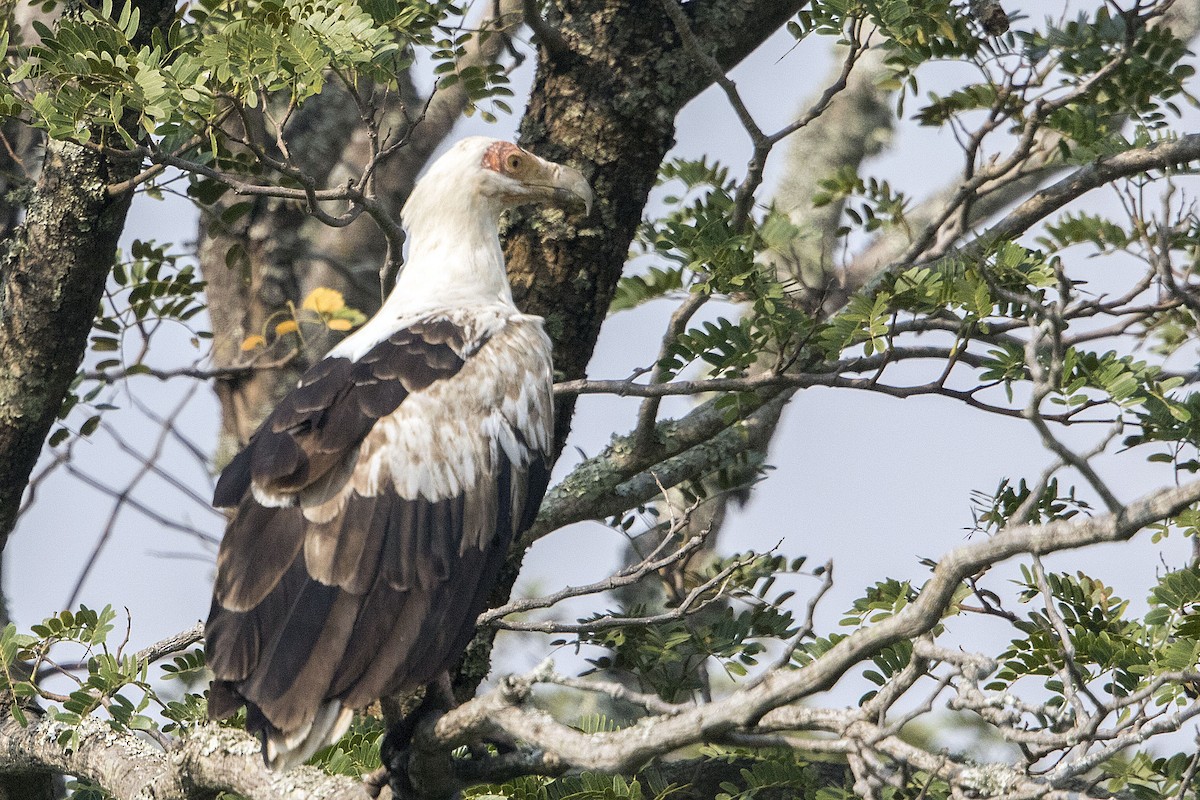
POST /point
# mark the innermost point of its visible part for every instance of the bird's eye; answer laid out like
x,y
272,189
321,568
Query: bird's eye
x,y
514,162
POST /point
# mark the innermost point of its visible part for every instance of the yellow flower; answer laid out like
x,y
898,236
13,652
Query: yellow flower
x,y
251,342
287,326
339,325
324,301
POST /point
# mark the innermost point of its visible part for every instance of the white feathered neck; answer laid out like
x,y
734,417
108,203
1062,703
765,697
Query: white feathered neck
x,y
454,257
452,222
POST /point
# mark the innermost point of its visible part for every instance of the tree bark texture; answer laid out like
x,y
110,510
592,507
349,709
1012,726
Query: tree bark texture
x,y
51,281
53,267
206,762
608,106
52,273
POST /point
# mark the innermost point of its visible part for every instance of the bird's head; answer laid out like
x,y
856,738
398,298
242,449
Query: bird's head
x,y
505,176
516,177
452,217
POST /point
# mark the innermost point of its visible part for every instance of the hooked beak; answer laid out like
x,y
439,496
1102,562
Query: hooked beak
x,y
571,190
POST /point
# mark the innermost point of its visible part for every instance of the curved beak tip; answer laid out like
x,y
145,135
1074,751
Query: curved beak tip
x,y
572,190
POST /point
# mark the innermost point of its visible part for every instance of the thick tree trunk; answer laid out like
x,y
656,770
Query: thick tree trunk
x,y
51,280
607,105
52,273
53,267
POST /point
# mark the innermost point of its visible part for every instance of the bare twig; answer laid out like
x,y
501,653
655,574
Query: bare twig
x,y
700,597
199,373
626,577
172,644
648,412
123,497
651,702
143,509
807,628
158,470
761,142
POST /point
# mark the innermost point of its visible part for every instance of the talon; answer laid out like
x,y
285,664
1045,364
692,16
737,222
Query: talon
x,y
374,781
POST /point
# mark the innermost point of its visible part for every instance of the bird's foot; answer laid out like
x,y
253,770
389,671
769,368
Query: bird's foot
x,y
374,782
489,748
395,752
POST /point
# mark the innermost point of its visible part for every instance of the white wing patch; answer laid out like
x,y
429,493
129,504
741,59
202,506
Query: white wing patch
x,y
446,440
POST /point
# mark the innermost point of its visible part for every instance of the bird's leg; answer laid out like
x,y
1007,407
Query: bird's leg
x,y
395,750
478,750
445,687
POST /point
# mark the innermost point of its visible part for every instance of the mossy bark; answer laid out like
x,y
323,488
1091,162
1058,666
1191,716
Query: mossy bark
x,y
51,279
52,275
53,268
52,272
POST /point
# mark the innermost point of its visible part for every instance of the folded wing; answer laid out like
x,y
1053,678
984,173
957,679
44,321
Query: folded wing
x,y
375,507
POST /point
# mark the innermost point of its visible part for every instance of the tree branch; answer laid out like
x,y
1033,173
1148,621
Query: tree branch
x,y
619,478
1166,155
547,35
206,760
174,643
626,577
759,18
1159,155
768,704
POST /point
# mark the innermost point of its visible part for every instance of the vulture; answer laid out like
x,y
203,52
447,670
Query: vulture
x,y
376,503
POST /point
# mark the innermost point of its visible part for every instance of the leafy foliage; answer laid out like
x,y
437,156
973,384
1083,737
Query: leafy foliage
x,y
109,680
121,688
771,772
669,657
85,78
356,753
992,511
324,308
1152,73
882,205
585,786
714,258
633,290
96,74
147,290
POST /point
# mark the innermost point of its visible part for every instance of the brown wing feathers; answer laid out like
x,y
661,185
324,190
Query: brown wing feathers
x,y
334,406
264,544
383,594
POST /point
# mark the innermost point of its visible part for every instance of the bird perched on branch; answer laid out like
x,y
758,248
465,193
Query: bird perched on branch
x,y
376,503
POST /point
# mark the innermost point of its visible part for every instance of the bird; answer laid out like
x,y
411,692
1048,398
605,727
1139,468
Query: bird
x,y
376,502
